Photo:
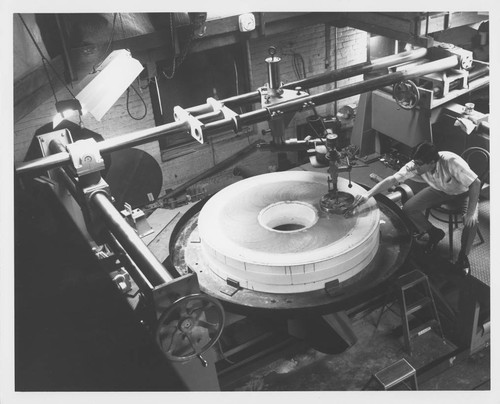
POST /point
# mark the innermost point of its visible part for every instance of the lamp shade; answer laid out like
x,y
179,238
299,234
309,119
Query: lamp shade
x,y
65,109
110,81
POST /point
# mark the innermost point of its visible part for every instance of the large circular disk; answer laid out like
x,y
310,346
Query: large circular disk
x,y
269,234
395,243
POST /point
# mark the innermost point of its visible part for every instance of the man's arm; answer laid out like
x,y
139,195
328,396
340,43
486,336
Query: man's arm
x,y
470,217
382,186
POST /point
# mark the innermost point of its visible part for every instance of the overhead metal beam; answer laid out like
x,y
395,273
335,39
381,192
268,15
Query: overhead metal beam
x,y
356,70
265,114
249,118
320,79
105,146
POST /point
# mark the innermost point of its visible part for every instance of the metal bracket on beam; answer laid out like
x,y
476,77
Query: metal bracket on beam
x,y
228,113
58,139
333,287
231,287
270,97
196,127
137,219
465,57
423,41
219,106
62,136
85,156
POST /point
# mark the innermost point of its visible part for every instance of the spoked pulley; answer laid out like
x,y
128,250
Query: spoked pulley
x,y
190,327
406,94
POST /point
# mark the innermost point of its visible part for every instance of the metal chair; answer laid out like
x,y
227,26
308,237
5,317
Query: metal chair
x,y
478,160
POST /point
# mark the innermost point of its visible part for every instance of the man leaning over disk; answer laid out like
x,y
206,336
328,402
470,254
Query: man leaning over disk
x,y
448,176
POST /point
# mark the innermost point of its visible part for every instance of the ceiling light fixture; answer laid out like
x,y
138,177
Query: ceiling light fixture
x,y
65,109
103,88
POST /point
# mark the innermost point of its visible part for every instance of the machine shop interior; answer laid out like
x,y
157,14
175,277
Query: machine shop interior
x,y
183,202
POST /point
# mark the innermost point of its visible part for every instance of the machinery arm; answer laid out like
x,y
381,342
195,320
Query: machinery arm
x,y
363,68
213,124
320,79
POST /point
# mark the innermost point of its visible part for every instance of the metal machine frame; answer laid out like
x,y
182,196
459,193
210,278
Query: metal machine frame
x,y
75,167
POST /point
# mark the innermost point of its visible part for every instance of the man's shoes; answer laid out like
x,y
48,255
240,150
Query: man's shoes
x,y
435,236
463,265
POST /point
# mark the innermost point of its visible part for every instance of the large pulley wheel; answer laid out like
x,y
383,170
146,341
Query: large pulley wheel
x,y
406,94
190,327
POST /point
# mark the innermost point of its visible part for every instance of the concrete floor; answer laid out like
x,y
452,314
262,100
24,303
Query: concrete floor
x,y
310,370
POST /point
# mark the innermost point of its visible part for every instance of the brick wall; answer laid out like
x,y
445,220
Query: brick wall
x,y
308,42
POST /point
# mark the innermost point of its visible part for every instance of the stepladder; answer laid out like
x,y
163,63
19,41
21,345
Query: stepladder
x,y
416,299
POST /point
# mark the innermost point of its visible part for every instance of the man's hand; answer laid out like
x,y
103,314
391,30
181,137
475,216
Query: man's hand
x,y
470,219
359,200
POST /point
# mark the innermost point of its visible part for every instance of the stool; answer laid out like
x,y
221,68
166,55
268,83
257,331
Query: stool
x,y
452,210
478,160
397,373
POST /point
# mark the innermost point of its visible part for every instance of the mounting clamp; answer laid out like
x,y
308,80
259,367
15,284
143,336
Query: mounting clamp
x,y
196,126
85,156
228,113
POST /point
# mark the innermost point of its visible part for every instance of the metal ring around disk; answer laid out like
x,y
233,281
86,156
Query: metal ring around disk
x,y
395,243
268,233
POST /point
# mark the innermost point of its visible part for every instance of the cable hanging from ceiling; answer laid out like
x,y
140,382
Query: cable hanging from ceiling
x,y
298,63
177,61
60,105
104,54
127,103
143,103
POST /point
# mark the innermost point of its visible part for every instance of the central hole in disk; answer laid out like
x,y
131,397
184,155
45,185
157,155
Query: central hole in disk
x,y
288,216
